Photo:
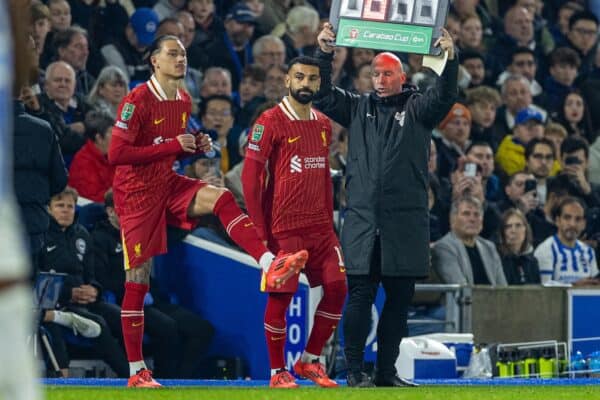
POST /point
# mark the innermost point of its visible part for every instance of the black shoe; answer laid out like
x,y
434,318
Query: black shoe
x,y
359,380
393,381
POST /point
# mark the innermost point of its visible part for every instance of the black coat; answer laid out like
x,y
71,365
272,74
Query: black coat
x,y
69,252
386,173
108,259
39,169
521,270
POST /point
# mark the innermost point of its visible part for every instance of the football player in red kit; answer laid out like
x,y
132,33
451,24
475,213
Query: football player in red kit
x,y
149,135
288,149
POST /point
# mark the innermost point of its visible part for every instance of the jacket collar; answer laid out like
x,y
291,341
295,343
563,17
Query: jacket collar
x,y
397,99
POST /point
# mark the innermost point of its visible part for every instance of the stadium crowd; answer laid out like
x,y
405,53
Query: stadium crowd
x,y
514,168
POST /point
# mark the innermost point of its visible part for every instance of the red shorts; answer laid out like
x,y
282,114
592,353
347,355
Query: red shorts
x,y
144,233
325,261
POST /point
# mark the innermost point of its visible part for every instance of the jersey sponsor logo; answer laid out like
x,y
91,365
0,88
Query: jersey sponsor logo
x,y
253,147
158,121
127,111
296,165
294,139
122,125
137,249
257,132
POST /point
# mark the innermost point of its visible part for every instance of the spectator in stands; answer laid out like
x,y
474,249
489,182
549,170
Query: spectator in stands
x,y
574,162
39,174
217,81
362,82
208,28
233,178
233,49
511,152
542,163
127,52
60,19
483,154
300,32
561,29
520,193
563,65
482,102
68,250
40,25
455,131
555,133
523,63
574,115
462,256
474,63
63,109
471,33
178,337
267,51
189,28
275,12
275,83
217,116
516,95
338,73
583,38
252,94
460,9
72,47
562,257
516,252
453,26
108,91
167,8
356,57
90,173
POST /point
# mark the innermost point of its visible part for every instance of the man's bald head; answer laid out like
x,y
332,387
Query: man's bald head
x,y
388,74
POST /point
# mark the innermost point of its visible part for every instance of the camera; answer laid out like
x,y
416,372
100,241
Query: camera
x,y
470,169
572,160
530,184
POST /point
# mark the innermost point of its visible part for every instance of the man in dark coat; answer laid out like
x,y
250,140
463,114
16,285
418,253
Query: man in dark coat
x,y
386,229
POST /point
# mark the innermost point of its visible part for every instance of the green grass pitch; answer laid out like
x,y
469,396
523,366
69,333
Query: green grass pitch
x,y
344,393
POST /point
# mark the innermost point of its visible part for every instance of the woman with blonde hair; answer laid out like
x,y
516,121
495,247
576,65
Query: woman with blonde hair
x,y
110,88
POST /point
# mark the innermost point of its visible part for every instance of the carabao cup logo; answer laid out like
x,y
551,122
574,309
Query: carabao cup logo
x,y
353,33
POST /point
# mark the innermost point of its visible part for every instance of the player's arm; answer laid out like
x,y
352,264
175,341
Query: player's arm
x,y
254,172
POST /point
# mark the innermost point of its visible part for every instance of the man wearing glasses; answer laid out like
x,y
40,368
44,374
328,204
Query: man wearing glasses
x,y
583,38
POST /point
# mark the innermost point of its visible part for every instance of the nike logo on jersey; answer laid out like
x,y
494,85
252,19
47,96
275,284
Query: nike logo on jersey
x,y
278,337
248,225
158,121
136,324
292,140
50,248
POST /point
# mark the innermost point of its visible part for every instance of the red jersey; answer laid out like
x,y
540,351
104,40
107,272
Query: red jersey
x,y
298,193
147,120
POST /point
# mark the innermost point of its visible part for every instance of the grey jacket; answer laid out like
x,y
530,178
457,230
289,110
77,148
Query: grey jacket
x,y
386,171
451,261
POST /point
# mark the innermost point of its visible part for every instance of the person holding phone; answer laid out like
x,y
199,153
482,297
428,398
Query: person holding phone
x,y
574,161
386,231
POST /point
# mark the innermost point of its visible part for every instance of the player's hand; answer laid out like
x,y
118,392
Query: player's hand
x,y
187,142
326,38
204,142
446,43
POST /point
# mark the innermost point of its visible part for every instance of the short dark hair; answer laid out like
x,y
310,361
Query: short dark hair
x,y
585,14
557,211
512,178
205,101
534,142
564,55
155,47
561,185
254,72
97,123
304,60
574,143
468,54
521,50
478,143
62,39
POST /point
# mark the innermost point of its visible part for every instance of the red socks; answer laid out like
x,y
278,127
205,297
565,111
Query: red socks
x,y
327,316
238,226
132,319
275,327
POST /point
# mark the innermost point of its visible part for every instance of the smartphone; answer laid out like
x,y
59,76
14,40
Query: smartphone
x,y
572,160
470,169
530,184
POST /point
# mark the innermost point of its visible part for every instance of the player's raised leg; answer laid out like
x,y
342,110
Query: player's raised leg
x,y
239,227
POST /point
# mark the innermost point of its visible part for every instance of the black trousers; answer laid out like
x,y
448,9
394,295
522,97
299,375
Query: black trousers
x,y
393,324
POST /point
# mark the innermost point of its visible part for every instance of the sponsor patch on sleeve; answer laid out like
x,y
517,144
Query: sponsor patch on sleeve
x,y
122,125
257,132
127,111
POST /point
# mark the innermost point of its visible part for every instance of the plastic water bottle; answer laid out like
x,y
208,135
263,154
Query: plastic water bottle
x,y
578,363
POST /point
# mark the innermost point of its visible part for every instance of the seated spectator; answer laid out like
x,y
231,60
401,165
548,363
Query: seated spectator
x,y
562,257
72,47
520,192
519,264
555,133
482,102
299,32
216,81
471,33
127,52
167,8
252,94
68,250
90,172
574,115
522,63
60,19
483,154
462,256
455,131
233,178
217,118
563,65
62,108
583,38
362,82
275,83
511,152
268,50
542,163
574,163
179,337
110,88
474,63
208,27
40,23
